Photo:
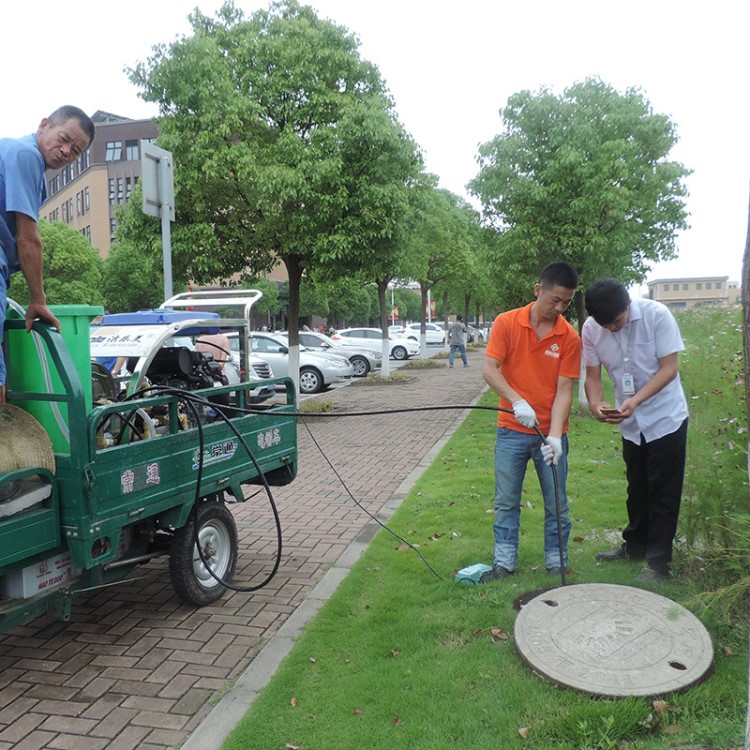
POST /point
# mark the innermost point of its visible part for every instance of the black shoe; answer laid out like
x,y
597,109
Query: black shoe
x,y
611,555
651,575
495,574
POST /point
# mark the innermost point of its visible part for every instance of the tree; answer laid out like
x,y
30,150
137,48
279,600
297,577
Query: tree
x,y
285,141
72,269
440,244
584,178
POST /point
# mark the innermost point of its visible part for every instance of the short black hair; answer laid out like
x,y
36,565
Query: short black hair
x,y
69,112
559,274
606,299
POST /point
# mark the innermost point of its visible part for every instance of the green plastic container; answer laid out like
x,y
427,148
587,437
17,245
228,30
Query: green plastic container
x,y
26,371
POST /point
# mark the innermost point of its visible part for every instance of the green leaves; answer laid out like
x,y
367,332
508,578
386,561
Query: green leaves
x,y
584,177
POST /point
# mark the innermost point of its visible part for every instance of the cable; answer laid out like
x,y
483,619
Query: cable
x,y
191,399
362,507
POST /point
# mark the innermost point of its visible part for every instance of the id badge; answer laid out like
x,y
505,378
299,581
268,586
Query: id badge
x,y
628,384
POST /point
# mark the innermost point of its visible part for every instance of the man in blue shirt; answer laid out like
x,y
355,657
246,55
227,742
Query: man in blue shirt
x,y
59,140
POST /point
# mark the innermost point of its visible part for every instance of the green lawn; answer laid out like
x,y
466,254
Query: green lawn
x,y
402,658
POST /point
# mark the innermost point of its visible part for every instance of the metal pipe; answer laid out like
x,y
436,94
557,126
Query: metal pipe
x,y
133,560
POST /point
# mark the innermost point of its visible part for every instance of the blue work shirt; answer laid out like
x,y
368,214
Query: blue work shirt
x,y
22,190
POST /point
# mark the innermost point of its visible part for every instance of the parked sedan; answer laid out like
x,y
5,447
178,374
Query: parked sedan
x,y
316,371
435,334
400,348
364,360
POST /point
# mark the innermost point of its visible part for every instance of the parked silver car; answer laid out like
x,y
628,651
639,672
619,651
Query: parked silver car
x,y
316,371
364,359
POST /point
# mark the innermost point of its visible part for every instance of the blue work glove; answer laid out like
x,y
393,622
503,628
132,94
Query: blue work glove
x,y
523,412
552,451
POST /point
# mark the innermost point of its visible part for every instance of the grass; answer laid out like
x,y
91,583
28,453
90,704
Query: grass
x,y
402,658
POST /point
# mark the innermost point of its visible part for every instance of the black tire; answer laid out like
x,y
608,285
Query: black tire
x,y
361,366
217,533
399,352
310,380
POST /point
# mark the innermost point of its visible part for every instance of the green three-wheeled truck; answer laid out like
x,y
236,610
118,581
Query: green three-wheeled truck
x,y
99,474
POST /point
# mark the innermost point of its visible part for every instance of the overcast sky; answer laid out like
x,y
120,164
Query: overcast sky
x,y
451,67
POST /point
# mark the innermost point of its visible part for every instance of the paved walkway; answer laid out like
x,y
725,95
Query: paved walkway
x,y
135,669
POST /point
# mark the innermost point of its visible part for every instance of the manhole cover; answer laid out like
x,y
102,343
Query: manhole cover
x,y
613,640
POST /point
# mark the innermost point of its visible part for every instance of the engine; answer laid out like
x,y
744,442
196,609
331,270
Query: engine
x,y
176,367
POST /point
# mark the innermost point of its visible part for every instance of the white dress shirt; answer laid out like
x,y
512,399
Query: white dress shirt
x,y
650,333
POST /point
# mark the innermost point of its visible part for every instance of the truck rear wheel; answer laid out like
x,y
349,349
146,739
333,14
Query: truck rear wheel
x,y
217,535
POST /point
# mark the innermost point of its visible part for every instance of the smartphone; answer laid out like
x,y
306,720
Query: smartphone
x,y
610,412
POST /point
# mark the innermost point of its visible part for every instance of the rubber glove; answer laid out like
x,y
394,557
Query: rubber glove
x,y
552,451
524,413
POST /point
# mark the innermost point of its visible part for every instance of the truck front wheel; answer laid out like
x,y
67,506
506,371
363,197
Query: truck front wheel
x,y
217,536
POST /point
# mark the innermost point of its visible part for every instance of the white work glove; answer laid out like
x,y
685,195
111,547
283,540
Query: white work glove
x,y
524,413
552,451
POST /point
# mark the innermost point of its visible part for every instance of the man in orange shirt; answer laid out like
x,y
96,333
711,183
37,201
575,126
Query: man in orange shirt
x,y
532,359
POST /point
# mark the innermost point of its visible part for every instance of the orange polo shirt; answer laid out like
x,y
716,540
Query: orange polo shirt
x,y
532,366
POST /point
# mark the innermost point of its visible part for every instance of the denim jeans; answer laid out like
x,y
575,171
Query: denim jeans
x,y
512,453
462,350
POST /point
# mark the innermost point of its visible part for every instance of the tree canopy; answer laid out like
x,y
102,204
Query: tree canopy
x,y
582,177
72,269
285,143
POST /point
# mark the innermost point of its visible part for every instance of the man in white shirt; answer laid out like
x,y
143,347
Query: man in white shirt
x,y
638,342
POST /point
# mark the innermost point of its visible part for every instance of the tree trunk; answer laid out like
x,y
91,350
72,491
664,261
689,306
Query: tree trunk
x,y
746,322
746,343
385,367
294,270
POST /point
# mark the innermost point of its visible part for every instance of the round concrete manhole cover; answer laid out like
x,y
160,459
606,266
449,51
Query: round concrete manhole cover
x,y
613,640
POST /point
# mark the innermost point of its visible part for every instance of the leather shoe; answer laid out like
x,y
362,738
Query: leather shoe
x,y
611,555
495,574
651,575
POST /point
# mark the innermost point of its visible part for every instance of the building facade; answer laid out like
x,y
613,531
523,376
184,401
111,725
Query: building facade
x,y
86,193
691,292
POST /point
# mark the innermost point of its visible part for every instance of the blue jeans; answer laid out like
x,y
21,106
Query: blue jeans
x,y
512,453
462,349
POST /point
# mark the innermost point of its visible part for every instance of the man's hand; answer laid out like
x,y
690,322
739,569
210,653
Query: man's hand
x,y
35,310
525,414
552,451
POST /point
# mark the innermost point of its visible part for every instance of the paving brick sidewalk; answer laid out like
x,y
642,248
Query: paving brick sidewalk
x,y
136,669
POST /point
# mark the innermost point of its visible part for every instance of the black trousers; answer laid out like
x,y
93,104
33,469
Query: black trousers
x,y
655,472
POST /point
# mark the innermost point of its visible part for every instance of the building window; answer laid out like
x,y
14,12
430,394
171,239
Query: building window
x,y
86,199
685,287
114,151
79,203
708,285
666,287
65,212
119,189
112,227
718,285
128,188
111,191
131,150
698,286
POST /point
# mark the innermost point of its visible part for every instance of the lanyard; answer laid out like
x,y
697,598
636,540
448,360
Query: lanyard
x,y
626,352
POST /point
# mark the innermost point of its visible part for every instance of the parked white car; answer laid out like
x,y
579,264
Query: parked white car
x,y
435,334
400,348
364,359
316,371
